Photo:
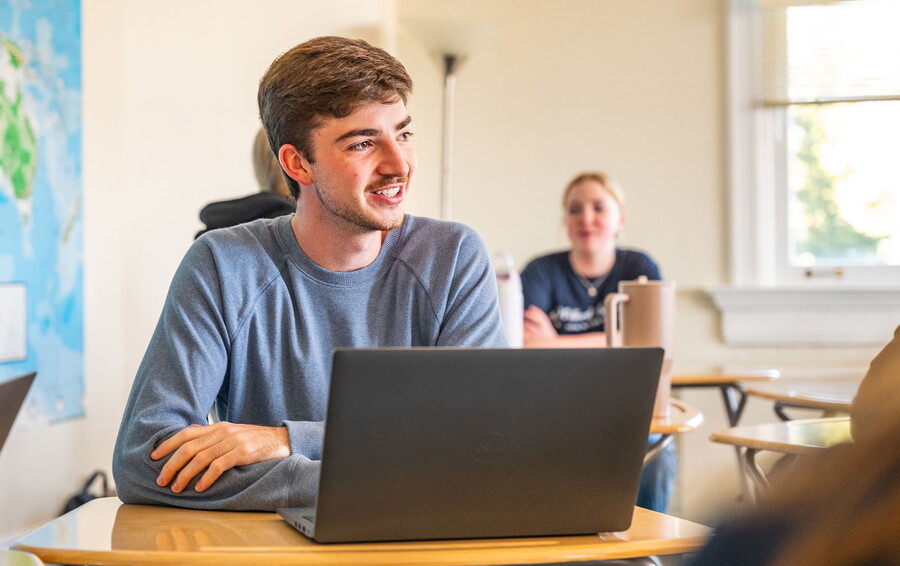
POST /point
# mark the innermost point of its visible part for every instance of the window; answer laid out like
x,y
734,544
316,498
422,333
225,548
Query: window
x,y
814,135
816,115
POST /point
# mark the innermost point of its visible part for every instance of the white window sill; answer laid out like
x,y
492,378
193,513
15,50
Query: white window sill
x,y
807,316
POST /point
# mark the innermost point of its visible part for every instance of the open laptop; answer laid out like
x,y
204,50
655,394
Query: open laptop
x,y
12,395
443,443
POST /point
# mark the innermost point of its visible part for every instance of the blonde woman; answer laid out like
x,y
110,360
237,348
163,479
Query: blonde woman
x,y
564,291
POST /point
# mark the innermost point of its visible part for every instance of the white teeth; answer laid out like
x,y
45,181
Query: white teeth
x,y
389,192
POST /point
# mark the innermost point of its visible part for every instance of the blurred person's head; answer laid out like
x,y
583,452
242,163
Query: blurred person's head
x,y
839,507
847,501
594,209
325,77
269,175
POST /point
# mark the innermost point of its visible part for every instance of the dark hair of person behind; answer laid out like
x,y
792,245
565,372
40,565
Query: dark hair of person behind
x,y
324,77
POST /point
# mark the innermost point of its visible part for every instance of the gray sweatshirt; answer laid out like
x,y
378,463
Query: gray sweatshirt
x,y
250,324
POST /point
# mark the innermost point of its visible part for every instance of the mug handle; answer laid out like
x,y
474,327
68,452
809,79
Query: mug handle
x,y
613,332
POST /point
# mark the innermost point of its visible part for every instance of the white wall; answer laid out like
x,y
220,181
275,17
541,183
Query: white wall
x,y
634,88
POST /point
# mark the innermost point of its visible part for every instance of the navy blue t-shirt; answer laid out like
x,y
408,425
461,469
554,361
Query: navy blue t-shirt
x,y
550,283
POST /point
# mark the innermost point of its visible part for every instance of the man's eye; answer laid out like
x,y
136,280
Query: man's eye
x,y
360,145
406,136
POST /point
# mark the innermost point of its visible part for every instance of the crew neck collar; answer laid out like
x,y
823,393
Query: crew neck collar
x,y
341,278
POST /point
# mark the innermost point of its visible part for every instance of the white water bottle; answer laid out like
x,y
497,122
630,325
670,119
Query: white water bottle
x,y
512,304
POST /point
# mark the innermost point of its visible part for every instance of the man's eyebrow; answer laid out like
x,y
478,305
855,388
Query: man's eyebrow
x,y
368,132
365,132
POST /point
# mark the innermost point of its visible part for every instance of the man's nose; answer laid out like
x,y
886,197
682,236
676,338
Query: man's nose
x,y
394,160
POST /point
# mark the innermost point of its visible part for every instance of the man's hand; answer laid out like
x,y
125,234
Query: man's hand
x,y
216,448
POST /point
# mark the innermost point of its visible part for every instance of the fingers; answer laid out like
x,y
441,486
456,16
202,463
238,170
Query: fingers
x,y
213,472
216,468
536,315
532,311
205,458
244,445
176,440
191,451
538,324
216,449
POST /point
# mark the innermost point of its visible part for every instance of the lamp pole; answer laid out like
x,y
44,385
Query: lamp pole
x,y
450,65
450,42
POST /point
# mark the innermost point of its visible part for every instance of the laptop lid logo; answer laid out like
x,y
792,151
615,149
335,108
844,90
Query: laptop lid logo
x,y
490,447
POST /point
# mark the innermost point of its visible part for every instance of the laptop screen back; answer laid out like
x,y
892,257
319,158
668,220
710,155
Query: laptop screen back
x,y
461,443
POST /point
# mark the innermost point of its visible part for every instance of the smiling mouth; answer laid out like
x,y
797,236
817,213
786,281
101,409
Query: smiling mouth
x,y
388,187
392,192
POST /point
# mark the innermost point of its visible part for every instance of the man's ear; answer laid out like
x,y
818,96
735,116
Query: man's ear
x,y
294,164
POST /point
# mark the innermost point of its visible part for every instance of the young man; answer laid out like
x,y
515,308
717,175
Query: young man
x,y
254,311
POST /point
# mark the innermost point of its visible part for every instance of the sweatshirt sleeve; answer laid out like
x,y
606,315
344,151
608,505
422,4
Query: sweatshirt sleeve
x,y
472,311
176,385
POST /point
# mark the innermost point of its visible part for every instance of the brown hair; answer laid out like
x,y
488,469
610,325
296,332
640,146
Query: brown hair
x,y
608,183
325,77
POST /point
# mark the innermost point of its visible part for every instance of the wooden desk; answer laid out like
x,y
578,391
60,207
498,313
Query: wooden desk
x,y
106,531
792,437
731,386
682,418
830,405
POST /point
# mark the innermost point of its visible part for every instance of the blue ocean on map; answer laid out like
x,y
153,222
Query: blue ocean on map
x,y
41,199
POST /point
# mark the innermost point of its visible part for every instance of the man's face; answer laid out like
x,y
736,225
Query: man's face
x,y
363,165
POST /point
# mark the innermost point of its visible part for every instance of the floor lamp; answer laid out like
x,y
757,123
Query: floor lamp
x,y
451,42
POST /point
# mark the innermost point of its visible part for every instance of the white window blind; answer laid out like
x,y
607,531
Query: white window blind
x,y
830,51
798,99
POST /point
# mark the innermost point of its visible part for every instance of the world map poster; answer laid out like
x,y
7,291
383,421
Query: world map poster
x,y
41,250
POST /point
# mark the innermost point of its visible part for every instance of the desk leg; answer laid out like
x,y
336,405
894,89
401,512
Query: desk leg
x,y
782,406
779,410
735,399
744,478
760,482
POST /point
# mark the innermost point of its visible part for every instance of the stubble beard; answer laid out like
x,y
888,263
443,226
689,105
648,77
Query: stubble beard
x,y
358,217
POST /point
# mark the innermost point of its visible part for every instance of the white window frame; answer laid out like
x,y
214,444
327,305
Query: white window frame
x,y
766,303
